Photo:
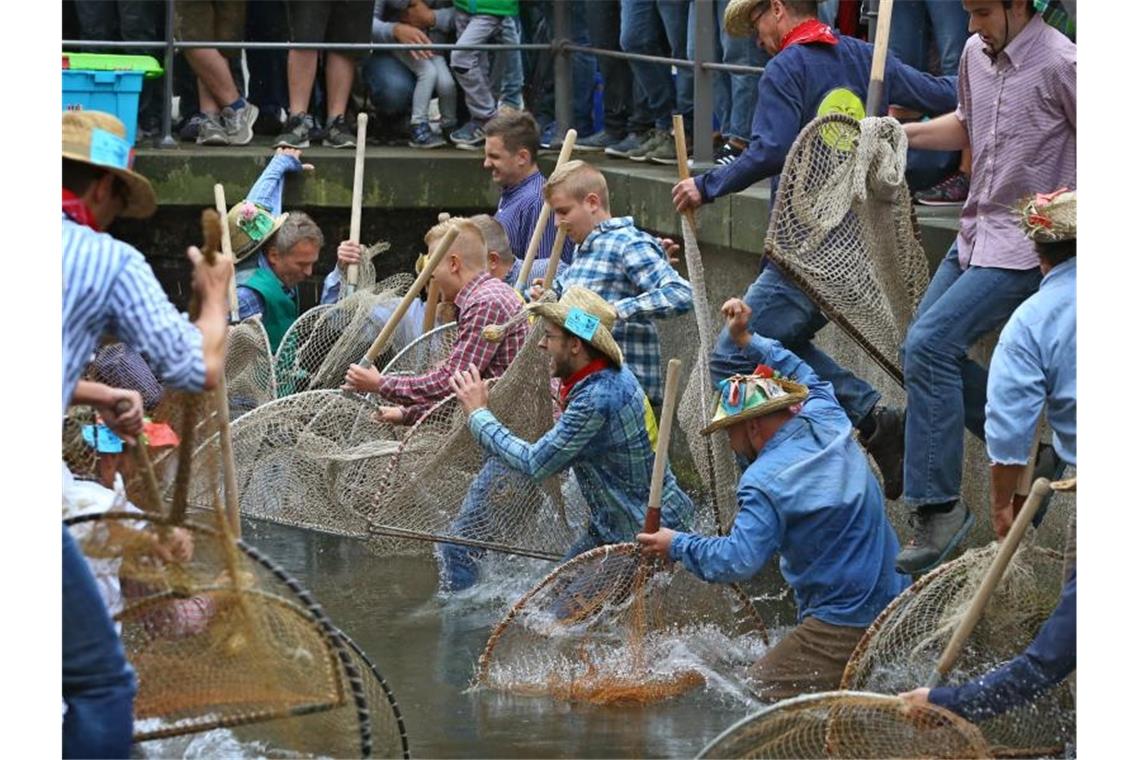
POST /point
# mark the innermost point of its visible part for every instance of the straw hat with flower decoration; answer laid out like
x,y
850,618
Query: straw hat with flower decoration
x,y
587,315
100,139
1049,217
738,17
743,397
250,226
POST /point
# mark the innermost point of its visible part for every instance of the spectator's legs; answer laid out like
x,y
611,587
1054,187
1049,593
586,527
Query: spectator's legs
x,y
949,28
446,91
641,32
390,85
346,22
741,51
268,81
507,72
604,24
675,19
98,684
467,65
425,73
140,20
216,87
339,73
98,20
302,71
909,29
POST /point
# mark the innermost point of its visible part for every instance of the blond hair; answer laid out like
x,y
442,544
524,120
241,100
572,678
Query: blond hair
x,y
578,179
494,236
469,244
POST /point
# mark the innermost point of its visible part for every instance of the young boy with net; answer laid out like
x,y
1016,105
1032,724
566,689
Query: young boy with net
x,y
808,494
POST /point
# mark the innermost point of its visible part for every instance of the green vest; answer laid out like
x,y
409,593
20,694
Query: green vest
x,y
488,7
280,308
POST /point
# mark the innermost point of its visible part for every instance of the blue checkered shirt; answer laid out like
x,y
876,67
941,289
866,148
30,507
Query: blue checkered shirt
x,y
602,436
629,269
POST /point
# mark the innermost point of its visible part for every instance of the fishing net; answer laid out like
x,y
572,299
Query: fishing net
x,y
849,725
320,345
843,229
441,485
900,649
250,377
611,626
427,351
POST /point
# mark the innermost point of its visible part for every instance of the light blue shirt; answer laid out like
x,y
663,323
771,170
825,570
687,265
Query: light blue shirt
x,y
810,496
1035,365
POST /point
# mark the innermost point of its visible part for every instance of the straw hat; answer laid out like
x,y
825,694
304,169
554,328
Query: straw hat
x,y
743,397
586,314
1049,218
737,21
250,226
99,139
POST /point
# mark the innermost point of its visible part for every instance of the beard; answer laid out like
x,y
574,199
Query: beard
x,y
560,368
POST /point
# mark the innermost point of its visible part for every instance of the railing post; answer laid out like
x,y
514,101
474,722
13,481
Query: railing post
x,y
168,79
563,78
869,12
704,50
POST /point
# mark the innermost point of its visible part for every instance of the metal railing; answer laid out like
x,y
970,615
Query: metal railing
x,y
560,47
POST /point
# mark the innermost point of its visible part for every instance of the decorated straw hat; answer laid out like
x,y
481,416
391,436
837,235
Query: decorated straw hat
x,y
99,139
737,17
250,226
743,397
1049,218
586,314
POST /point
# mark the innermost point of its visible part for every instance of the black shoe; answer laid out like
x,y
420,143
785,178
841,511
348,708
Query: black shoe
x,y
296,134
886,446
936,535
339,135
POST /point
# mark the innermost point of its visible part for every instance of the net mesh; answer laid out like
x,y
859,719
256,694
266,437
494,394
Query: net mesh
x,y
611,626
900,649
849,725
843,229
250,377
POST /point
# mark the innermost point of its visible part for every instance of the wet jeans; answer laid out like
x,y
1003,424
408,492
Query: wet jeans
x,y
946,391
98,684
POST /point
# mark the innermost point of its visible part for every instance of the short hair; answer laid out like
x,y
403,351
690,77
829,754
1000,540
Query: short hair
x,y
517,130
494,236
798,8
1055,253
578,179
299,226
472,247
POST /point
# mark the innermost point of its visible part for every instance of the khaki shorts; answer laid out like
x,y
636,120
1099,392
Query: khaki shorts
x,y
811,658
212,20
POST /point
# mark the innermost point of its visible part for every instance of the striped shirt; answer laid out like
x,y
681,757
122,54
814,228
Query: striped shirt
x,y
108,288
519,207
627,267
1020,111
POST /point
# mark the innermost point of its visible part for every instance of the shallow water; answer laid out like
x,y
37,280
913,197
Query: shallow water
x,y
426,648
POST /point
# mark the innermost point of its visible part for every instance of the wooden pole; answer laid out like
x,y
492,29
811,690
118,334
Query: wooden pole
x,y
661,455
353,273
879,58
221,396
552,262
544,215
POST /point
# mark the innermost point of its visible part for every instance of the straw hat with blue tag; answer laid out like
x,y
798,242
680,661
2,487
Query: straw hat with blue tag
x,y
743,397
587,315
100,139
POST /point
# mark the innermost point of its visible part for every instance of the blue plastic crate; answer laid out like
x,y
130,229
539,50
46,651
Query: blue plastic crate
x,y
116,92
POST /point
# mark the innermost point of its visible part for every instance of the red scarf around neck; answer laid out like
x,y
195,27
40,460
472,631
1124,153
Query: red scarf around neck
x,y
597,365
812,30
75,208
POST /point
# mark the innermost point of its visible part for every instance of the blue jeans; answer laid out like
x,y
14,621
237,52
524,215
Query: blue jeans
x,y
659,27
948,24
98,684
945,390
507,69
734,94
390,83
781,311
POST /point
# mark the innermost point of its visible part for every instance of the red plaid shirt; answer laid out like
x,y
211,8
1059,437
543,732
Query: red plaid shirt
x,y
483,301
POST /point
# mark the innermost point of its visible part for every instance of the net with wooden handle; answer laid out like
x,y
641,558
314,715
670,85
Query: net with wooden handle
x,y
543,216
661,455
221,395
353,273
552,262
879,58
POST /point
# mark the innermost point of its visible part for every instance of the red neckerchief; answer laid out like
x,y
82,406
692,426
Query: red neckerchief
x,y
75,208
597,365
812,30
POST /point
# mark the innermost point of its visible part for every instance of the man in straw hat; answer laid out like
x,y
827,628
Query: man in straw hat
x,y
601,433
807,494
1033,366
108,287
814,71
482,301
1018,108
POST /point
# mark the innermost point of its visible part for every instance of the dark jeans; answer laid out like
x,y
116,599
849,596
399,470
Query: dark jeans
x,y
268,69
644,25
539,27
623,100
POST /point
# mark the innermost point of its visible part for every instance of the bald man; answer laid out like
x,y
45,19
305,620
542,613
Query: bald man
x,y
481,300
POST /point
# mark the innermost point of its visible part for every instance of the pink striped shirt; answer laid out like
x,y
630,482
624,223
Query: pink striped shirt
x,y
1020,111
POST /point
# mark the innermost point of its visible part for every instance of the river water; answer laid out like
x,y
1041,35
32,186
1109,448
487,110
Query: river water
x,y
426,647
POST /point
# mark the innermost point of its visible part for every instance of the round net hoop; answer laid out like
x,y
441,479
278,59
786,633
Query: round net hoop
x,y
423,353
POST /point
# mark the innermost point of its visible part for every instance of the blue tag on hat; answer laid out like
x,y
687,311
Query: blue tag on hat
x,y
109,149
102,439
582,323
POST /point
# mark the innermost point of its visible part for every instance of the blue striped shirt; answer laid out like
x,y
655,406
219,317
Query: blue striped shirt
x,y
519,207
108,288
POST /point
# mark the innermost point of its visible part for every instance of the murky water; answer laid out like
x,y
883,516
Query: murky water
x,y
426,648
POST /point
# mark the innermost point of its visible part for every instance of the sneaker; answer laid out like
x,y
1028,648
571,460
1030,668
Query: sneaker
x,y
187,128
270,121
598,141
936,534
649,143
423,137
629,143
211,131
339,135
239,123
728,152
949,192
885,446
550,138
296,134
468,137
666,152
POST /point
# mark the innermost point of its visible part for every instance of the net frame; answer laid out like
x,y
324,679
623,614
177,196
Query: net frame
x,y
426,351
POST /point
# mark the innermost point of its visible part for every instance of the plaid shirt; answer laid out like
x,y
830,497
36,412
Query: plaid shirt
x,y
483,301
602,436
250,301
627,267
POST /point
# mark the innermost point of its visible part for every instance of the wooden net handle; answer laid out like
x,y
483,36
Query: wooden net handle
x,y
552,262
682,160
353,273
879,58
661,454
227,249
544,215
433,291
221,395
